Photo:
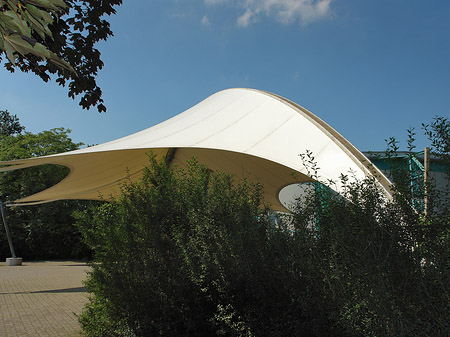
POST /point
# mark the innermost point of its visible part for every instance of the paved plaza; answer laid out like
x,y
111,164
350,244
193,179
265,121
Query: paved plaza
x,y
41,298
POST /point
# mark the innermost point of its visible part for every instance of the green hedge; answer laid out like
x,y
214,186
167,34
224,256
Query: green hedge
x,y
191,253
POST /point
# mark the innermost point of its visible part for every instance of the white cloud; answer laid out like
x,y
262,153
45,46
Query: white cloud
x,y
247,18
284,11
205,21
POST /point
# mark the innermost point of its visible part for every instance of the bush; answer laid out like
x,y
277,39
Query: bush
x,y
383,267
384,264
191,253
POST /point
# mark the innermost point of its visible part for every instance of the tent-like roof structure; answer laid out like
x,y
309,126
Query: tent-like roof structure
x,y
245,132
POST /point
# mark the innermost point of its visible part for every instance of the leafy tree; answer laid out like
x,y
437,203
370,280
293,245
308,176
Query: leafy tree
x,y
9,124
57,37
43,231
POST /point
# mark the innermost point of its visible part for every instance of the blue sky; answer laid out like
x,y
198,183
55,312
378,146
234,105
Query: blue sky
x,y
371,69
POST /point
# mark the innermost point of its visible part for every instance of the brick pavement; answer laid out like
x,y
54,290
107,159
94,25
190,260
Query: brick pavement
x,y
41,298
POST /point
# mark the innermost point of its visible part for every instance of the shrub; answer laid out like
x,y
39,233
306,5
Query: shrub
x,y
384,267
191,253
194,253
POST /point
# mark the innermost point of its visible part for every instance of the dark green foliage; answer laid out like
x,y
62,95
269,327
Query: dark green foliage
x,y
58,37
41,231
383,266
9,124
44,232
190,253
438,132
383,263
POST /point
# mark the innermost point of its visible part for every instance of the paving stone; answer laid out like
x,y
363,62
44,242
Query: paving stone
x,y
41,298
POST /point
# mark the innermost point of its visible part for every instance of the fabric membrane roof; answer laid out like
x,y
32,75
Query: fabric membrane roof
x,y
245,132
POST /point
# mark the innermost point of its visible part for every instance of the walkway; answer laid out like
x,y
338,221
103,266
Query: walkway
x,y
41,298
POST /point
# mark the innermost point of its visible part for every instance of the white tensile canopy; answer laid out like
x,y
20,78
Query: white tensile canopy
x,y
245,132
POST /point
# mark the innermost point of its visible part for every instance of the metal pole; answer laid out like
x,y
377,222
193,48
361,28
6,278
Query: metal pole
x,y
11,247
426,179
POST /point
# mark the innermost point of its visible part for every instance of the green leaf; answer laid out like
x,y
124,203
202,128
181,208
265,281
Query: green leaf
x,y
14,23
52,57
42,51
55,5
61,63
18,44
9,50
41,15
36,24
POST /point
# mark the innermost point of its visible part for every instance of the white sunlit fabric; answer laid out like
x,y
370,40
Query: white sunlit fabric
x,y
245,132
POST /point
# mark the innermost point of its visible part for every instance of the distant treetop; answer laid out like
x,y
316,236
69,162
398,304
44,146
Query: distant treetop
x,y
9,124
